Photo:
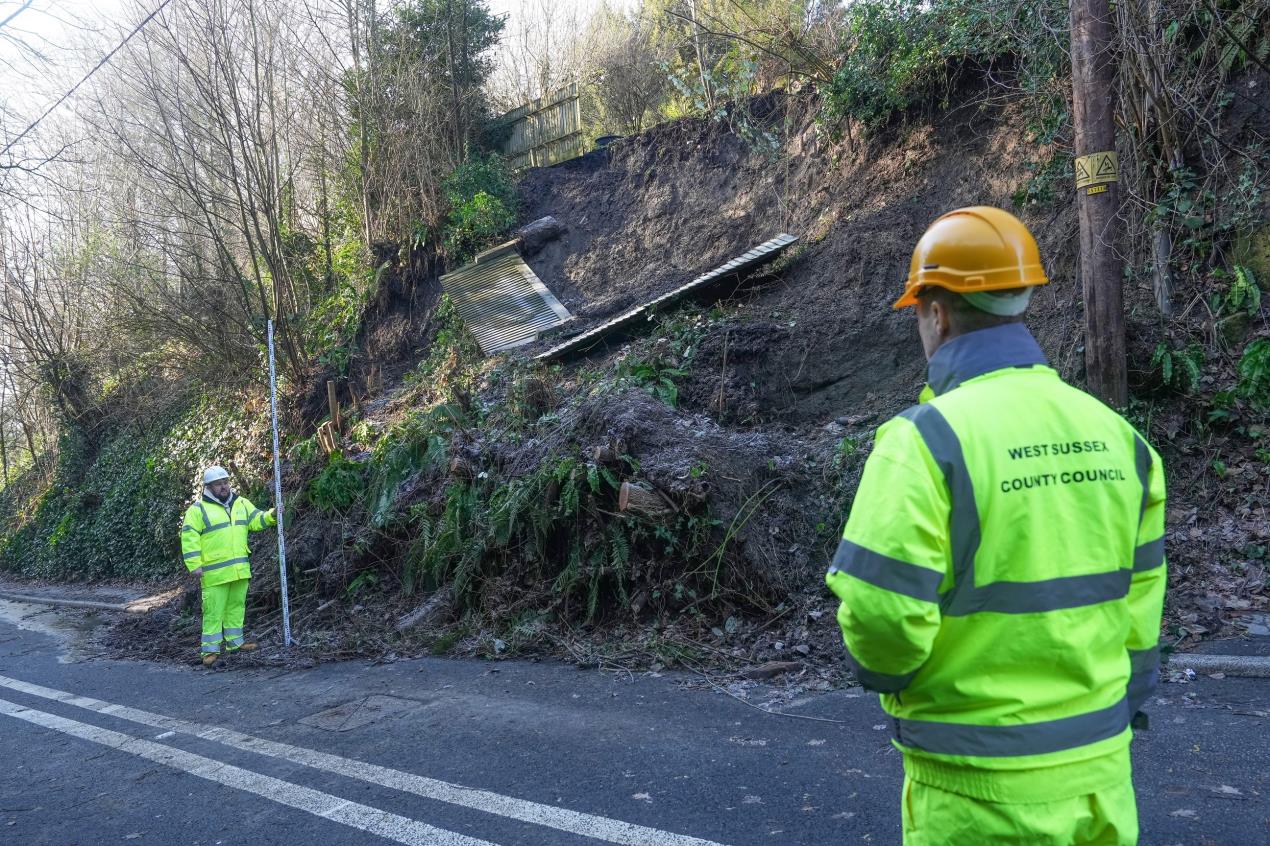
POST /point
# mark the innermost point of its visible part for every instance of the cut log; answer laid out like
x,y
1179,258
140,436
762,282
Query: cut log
x,y
771,669
327,439
609,453
534,236
643,502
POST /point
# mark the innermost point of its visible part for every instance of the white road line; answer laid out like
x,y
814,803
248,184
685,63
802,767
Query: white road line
x,y
373,820
548,816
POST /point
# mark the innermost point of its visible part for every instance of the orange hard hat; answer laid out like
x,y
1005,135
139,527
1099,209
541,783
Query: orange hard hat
x,y
979,248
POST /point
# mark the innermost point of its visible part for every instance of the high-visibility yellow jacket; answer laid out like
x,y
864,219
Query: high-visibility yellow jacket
x,y
1002,576
214,537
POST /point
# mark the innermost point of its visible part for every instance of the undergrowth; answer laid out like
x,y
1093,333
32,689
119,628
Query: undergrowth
x,y
117,514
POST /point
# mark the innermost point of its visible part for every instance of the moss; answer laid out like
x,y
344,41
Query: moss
x,y
1253,251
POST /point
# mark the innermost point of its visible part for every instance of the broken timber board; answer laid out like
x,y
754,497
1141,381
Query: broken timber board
x,y
757,257
501,300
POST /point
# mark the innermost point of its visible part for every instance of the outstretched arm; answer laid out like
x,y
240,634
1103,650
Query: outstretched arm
x,y
258,520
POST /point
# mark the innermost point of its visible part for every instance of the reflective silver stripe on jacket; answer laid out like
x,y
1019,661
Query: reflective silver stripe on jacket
x,y
1008,741
220,564
1144,675
879,682
886,573
195,554
1148,556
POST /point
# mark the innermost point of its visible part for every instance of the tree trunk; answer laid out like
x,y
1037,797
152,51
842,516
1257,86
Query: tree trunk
x,y
1098,200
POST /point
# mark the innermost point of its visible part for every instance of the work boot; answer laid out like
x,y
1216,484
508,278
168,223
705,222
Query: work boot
x,y
246,647
209,659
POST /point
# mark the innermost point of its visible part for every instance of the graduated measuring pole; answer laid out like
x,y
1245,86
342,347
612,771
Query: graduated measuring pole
x,y
277,494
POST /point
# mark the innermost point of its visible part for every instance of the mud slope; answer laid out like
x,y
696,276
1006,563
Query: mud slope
x,y
821,341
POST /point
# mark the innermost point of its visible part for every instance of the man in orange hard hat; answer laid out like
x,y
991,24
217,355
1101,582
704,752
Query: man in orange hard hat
x,y
1002,572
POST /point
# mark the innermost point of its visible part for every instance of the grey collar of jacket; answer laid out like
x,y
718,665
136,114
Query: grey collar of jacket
x,y
227,504
984,351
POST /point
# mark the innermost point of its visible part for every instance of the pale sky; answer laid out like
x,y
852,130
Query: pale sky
x,y
42,50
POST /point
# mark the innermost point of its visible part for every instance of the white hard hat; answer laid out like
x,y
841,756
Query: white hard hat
x,y
214,474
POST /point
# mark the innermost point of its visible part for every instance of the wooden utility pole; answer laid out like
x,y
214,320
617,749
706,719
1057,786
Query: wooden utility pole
x,y
1098,199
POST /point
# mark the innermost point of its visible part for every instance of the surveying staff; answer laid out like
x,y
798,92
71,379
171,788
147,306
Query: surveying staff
x,y
1012,630
214,548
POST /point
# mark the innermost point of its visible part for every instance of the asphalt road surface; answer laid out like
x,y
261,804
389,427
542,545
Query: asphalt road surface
x,y
469,753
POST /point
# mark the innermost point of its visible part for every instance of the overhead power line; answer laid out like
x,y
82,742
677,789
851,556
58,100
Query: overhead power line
x,y
100,64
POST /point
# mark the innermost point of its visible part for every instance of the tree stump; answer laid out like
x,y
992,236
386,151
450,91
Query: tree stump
x,y
643,502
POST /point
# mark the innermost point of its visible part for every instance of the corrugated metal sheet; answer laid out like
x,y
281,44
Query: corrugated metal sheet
x,y
503,303
757,257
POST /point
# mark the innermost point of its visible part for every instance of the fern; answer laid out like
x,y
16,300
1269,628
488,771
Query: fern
x,y
593,589
1254,375
570,497
620,552
1179,369
1243,295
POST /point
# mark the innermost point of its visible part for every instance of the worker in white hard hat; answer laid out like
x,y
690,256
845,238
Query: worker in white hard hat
x,y
214,548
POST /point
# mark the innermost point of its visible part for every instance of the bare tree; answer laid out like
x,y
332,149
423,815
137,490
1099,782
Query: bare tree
x,y
625,70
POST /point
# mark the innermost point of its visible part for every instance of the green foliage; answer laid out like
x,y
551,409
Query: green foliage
x,y
453,361
895,58
340,484
1254,375
116,512
363,581
669,359
553,528
1047,182
897,54
1179,369
419,443
484,525
654,375
428,33
844,451
332,325
305,451
1204,217
730,85
482,200
1243,295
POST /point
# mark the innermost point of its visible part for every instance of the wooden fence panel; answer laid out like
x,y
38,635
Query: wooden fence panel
x,y
545,131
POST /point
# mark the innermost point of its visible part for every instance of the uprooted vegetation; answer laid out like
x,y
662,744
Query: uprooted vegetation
x,y
674,494
475,506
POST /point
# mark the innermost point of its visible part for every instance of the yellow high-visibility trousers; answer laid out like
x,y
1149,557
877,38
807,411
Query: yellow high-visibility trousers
x,y
935,817
224,607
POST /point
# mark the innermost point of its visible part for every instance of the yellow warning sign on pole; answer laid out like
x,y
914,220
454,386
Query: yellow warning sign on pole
x,y
1097,169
